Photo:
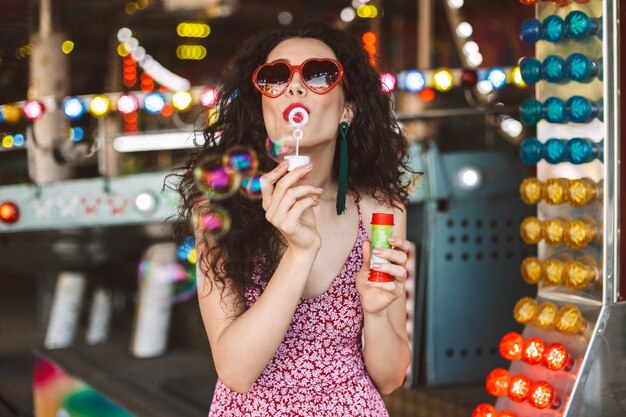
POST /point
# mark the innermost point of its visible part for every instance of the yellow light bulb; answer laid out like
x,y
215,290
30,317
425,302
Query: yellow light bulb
x,y
531,270
580,232
443,80
546,315
530,190
552,272
554,190
524,310
569,319
100,106
581,192
530,230
516,76
578,275
181,100
12,113
553,230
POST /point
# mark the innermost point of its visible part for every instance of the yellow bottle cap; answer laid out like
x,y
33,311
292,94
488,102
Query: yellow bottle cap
x,y
531,270
580,232
552,272
569,319
530,190
554,190
581,192
530,230
553,230
546,315
525,310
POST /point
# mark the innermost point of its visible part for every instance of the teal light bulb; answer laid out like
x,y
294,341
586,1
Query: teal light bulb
x,y
578,25
580,68
555,151
580,109
553,69
531,111
554,110
530,69
553,28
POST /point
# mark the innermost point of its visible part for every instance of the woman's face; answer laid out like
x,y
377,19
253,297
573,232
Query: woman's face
x,y
325,110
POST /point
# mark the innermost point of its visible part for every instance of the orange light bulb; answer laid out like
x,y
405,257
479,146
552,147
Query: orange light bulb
x,y
9,213
581,191
569,319
528,2
557,357
578,275
553,231
533,351
498,382
525,310
519,388
554,190
546,315
531,270
552,272
530,230
485,410
579,233
531,190
507,413
542,396
511,346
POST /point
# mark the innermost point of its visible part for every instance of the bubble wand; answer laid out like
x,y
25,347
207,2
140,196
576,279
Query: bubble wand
x,y
297,159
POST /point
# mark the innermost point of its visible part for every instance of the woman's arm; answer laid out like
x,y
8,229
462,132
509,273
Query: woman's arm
x,y
386,347
242,347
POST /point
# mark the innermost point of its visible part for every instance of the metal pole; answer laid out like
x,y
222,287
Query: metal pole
x,y
49,77
424,37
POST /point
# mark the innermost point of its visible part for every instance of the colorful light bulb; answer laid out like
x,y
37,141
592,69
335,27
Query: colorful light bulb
x,y
581,151
580,68
485,410
553,69
127,104
578,25
530,230
578,275
443,80
33,110
557,357
519,388
100,106
555,151
531,270
209,97
553,231
531,70
9,212
507,413
153,102
580,232
552,273
531,190
525,310
554,190
12,114
497,383
530,31
582,110
516,77
554,110
580,192
542,395
532,353
511,346
553,28
569,319
546,315
531,111
531,151
182,100
73,108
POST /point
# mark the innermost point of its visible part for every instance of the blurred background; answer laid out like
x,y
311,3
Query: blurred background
x,y
100,100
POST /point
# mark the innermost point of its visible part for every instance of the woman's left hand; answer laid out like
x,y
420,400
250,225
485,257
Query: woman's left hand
x,y
376,296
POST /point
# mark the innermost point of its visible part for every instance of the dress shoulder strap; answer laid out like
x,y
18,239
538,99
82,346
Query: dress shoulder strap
x,y
357,198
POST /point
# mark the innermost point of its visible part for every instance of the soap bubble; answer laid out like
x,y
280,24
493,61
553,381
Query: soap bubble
x,y
277,149
251,187
242,160
214,221
215,179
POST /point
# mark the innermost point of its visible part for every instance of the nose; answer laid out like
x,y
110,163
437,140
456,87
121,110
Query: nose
x,y
296,87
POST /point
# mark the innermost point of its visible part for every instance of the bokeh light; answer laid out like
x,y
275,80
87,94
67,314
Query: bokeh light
x,y
33,110
12,113
181,100
213,221
127,103
388,81
153,103
73,108
100,106
443,80
77,134
497,77
208,98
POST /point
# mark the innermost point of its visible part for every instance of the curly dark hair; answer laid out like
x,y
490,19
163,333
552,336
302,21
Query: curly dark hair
x,y
377,164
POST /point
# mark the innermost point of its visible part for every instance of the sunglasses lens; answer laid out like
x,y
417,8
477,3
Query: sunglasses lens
x,y
273,78
320,76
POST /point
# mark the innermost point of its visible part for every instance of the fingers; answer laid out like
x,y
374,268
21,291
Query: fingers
x,y
292,220
287,181
268,180
400,243
398,271
292,195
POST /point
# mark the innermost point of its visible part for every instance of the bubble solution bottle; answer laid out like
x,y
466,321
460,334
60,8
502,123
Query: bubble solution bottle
x,y
382,230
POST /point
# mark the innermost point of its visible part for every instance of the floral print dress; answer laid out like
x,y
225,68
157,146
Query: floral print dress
x,y
319,369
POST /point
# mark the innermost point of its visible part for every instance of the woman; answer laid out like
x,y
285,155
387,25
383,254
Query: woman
x,y
284,295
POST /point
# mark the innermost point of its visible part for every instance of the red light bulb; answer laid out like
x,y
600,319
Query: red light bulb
x,y
557,357
542,396
533,351
498,382
511,346
33,110
485,410
9,213
519,388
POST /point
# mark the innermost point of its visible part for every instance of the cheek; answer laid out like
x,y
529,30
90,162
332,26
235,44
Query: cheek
x,y
269,118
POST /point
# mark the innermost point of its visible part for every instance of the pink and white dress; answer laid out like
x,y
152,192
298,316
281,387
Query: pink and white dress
x,y
319,369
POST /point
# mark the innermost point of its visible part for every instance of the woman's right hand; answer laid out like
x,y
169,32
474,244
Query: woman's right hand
x,y
288,203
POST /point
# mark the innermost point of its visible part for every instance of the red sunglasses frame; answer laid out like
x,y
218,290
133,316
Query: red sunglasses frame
x,y
298,68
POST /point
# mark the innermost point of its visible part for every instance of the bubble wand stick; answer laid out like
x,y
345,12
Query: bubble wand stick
x,y
297,159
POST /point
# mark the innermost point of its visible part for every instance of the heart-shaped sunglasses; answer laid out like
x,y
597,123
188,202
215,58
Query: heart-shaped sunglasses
x,y
319,75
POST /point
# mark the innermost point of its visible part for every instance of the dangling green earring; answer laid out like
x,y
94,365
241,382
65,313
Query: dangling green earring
x,y
342,188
